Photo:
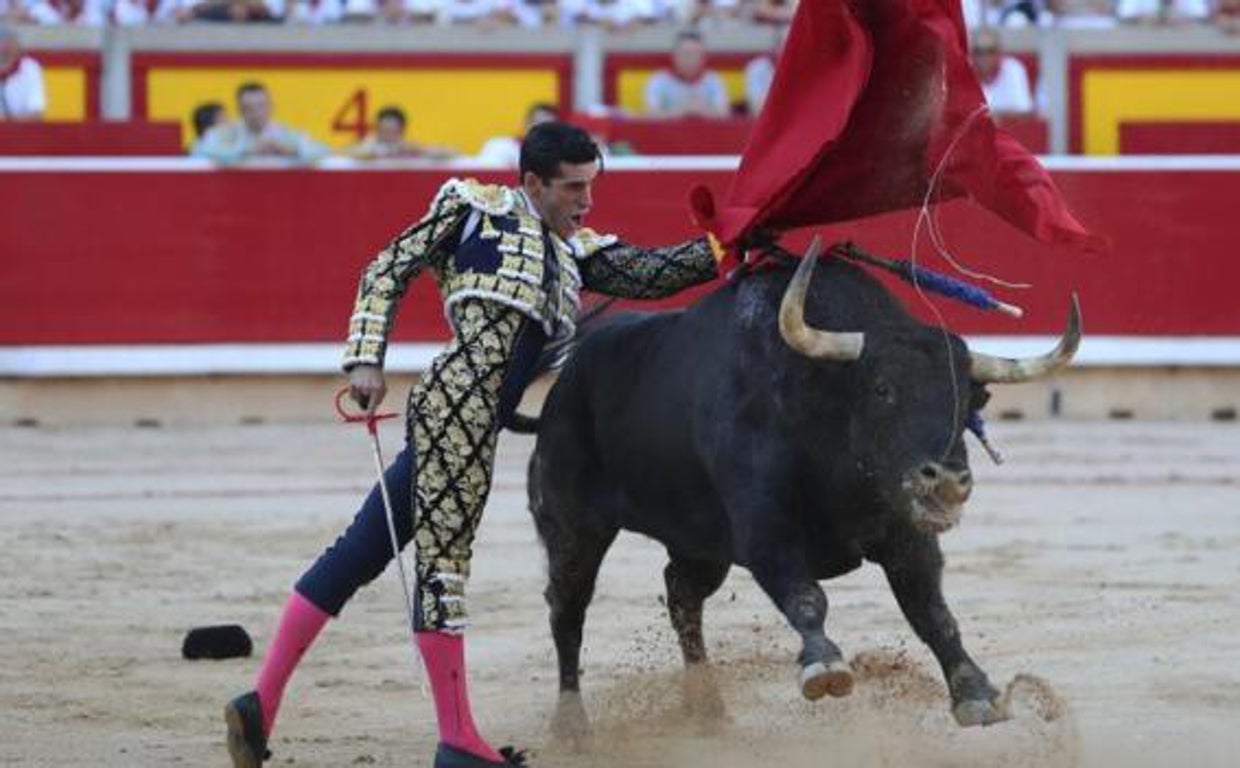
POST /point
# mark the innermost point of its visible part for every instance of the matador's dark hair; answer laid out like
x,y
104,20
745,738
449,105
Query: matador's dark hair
x,y
546,145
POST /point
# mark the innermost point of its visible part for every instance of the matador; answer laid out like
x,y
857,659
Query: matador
x,y
510,264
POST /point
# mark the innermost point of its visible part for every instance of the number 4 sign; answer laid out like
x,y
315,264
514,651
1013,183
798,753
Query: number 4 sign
x,y
353,116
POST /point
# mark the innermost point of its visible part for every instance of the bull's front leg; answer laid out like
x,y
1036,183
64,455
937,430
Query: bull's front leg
x,y
913,563
799,597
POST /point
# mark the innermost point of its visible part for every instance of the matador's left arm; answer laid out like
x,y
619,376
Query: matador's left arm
x,y
632,272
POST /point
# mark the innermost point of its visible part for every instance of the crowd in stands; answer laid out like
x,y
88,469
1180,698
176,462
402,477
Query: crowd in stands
x,y
686,88
611,14
1100,14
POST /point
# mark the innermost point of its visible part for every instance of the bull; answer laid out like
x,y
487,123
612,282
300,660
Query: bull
x,y
740,431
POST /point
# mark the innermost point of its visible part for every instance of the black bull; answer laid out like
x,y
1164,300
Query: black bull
x,y
739,432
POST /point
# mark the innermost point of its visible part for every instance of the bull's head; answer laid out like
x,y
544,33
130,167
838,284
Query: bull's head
x,y
908,399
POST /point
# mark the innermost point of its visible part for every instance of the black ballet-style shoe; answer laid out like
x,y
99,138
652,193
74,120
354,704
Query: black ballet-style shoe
x,y
247,744
448,756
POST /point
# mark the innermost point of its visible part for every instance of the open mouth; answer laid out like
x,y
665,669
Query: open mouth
x,y
577,219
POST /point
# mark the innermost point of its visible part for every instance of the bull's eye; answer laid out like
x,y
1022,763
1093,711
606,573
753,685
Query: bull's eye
x,y
882,391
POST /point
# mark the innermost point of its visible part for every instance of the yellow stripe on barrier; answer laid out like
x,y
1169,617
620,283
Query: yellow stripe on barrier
x,y
455,108
66,92
1111,97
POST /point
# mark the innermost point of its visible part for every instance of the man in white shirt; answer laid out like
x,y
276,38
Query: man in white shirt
x,y
22,95
1162,11
83,13
613,14
760,72
1005,82
314,13
688,88
700,13
256,135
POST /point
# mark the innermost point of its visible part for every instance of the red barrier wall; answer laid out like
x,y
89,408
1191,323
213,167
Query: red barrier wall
x,y
271,255
1170,137
99,138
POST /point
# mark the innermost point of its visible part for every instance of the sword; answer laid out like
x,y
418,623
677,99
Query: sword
x,y
372,426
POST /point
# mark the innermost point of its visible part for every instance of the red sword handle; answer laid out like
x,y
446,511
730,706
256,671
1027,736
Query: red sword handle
x,y
370,420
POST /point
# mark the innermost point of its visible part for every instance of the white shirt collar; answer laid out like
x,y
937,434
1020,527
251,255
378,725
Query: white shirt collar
x,y
573,242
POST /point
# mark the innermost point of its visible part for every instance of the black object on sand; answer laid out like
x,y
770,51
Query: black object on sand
x,y
223,641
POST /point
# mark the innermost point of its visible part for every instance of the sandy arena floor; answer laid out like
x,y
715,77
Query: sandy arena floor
x,y
1103,559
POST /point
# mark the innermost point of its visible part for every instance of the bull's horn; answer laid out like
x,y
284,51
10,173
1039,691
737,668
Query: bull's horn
x,y
811,342
1001,370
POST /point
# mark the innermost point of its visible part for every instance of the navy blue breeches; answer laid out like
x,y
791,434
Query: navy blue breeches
x,y
364,549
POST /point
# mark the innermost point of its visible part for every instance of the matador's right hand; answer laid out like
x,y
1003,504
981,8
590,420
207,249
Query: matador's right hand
x,y
367,387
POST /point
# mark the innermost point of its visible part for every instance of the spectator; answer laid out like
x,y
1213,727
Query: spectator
x,y
235,11
548,11
759,73
53,13
1018,14
688,88
398,12
133,13
1150,12
1228,16
489,13
1005,82
14,12
315,12
612,14
778,12
206,116
256,135
22,96
506,150
695,13
388,141
1082,14
380,11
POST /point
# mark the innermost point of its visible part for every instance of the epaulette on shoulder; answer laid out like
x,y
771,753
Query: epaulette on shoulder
x,y
586,242
494,199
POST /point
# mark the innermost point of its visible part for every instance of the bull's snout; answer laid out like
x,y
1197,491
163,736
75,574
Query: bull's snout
x,y
938,493
951,486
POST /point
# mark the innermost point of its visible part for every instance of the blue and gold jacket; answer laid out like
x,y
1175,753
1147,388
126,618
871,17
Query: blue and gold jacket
x,y
486,241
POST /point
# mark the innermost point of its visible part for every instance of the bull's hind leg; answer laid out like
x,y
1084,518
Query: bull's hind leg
x,y
689,583
914,568
573,557
804,604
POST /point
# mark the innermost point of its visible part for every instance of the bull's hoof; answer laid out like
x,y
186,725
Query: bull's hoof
x,y
979,712
570,723
819,679
700,693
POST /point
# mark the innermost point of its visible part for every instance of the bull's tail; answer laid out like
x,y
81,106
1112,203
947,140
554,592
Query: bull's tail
x,y
523,425
552,359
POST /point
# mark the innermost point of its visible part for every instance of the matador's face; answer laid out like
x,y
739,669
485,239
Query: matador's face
x,y
565,199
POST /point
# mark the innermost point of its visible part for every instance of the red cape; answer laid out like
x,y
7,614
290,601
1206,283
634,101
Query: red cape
x,y
868,98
